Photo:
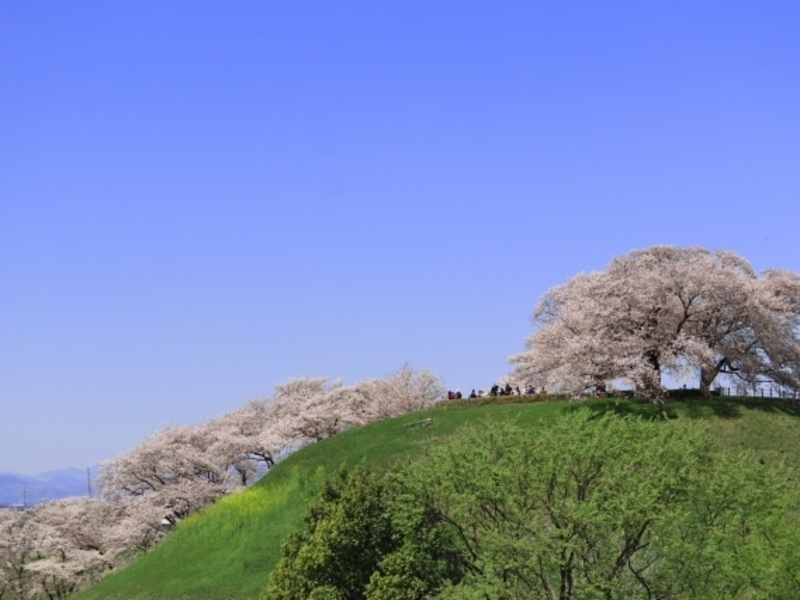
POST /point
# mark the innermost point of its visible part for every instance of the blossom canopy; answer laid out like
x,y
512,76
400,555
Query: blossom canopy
x,y
666,310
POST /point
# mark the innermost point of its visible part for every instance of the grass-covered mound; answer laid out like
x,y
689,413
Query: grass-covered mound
x,y
228,550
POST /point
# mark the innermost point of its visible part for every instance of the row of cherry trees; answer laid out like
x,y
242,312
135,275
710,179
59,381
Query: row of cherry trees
x,y
666,310
58,547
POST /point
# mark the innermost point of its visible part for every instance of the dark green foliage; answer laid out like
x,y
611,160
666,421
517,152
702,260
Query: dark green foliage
x,y
427,556
360,544
348,534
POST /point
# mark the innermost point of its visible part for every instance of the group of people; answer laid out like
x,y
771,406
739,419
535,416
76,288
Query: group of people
x,y
496,390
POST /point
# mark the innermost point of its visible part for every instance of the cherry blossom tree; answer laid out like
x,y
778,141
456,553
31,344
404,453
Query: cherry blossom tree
x,y
73,544
248,440
683,311
179,470
139,526
399,393
174,468
58,547
310,409
17,549
55,548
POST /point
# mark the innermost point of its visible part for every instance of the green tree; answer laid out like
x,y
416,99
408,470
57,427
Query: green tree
x,y
610,508
583,509
359,544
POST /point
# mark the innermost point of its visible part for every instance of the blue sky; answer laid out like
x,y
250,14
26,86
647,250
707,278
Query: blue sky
x,y
201,200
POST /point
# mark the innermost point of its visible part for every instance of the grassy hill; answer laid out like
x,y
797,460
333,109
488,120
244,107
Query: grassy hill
x,y
229,549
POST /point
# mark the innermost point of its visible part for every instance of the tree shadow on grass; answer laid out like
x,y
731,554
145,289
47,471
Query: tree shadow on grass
x,y
624,407
702,408
728,406
768,405
694,408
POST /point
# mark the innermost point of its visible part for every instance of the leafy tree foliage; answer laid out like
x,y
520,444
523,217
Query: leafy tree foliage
x,y
361,543
610,508
588,508
665,309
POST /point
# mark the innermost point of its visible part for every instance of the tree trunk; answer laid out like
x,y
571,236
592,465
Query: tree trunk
x,y
708,375
651,386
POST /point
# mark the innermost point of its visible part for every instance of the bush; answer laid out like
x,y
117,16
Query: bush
x,y
614,507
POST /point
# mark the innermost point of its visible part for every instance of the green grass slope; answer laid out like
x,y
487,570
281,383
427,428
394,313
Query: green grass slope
x,y
229,549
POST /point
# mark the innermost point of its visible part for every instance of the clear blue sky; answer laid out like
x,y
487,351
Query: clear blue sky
x,y
199,200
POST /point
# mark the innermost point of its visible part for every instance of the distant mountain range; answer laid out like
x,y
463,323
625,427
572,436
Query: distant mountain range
x,y
23,489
